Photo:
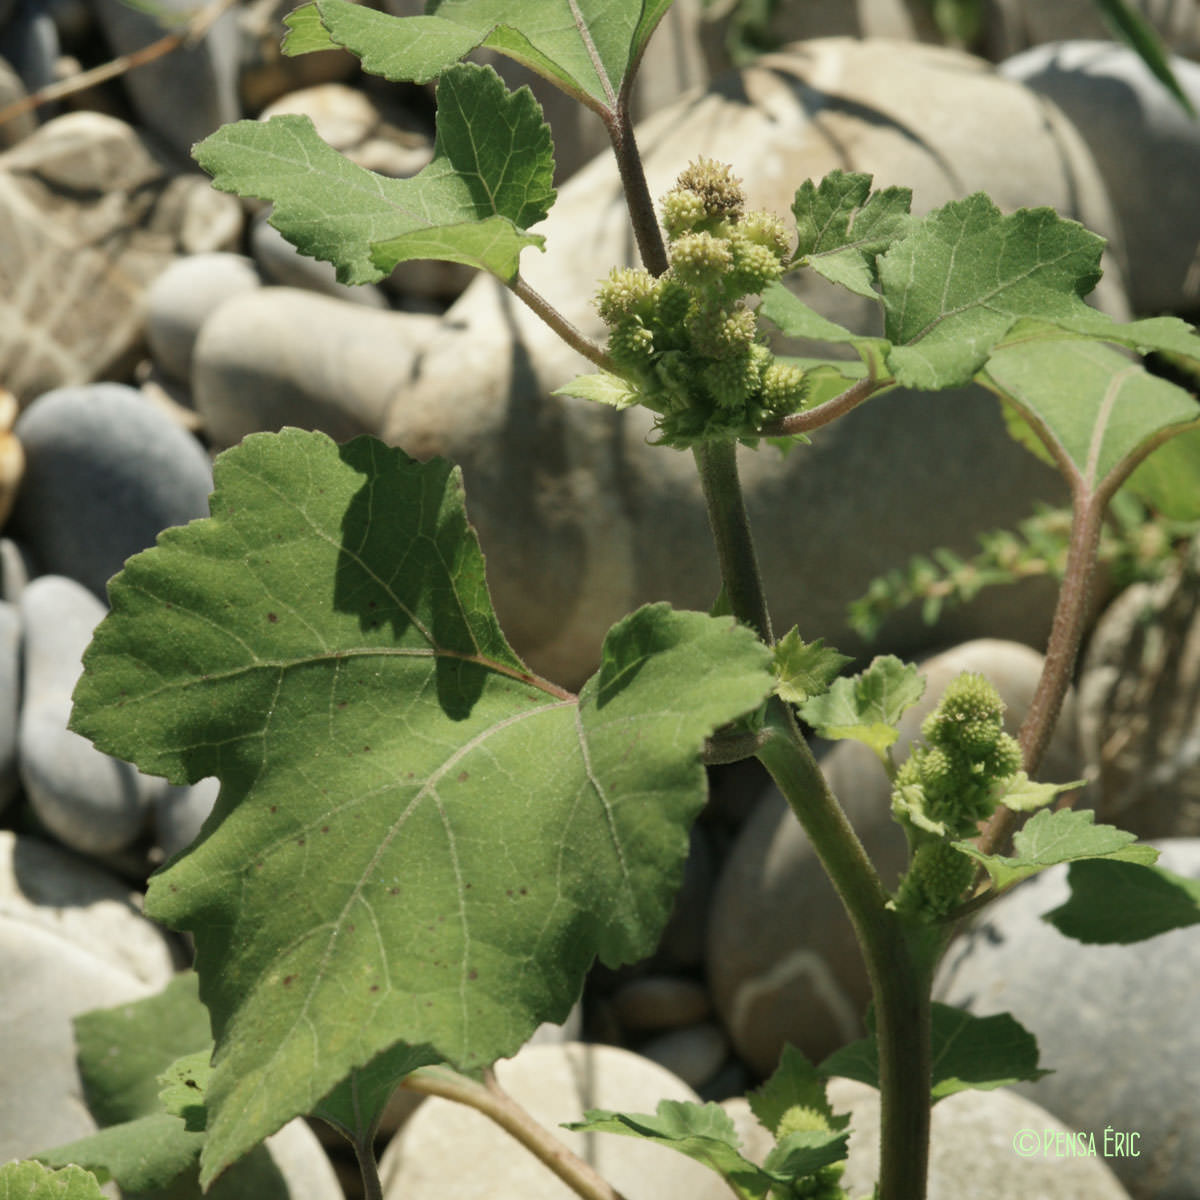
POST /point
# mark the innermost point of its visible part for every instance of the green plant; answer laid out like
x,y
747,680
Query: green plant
x,y
420,846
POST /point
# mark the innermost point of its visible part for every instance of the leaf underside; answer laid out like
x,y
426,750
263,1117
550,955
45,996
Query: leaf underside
x,y
489,180
588,48
969,1052
416,841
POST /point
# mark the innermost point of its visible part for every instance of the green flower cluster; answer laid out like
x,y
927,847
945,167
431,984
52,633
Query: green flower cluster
x,y
825,1182
947,786
687,339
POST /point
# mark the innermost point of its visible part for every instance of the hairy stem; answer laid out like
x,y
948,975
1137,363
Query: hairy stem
x,y
490,1099
900,969
730,523
574,337
823,414
368,1167
1066,634
637,191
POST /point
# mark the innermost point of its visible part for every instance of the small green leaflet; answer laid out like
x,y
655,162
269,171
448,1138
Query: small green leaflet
x,y
705,1132
805,669
32,1181
969,1052
842,228
962,277
796,1083
489,180
867,706
588,48
603,387
416,841
1166,480
1116,903
1065,835
1022,794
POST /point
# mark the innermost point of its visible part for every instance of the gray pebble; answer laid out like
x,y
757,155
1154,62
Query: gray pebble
x,y
180,810
10,693
89,801
694,1054
181,299
106,472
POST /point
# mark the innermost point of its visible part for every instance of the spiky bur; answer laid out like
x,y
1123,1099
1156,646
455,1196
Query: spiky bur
x,y
825,1182
688,339
946,787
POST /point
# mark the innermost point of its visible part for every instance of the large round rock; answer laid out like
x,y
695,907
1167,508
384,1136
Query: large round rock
x,y
106,472
1116,1024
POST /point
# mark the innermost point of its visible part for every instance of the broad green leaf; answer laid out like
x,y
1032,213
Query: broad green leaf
x,y
603,387
1139,33
1121,902
842,227
416,839
489,180
589,48
355,1107
145,1154
1065,835
795,1084
123,1052
32,1181
867,706
796,319
705,1132
958,282
1094,404
805,669
1167,479
1022,794
969,1052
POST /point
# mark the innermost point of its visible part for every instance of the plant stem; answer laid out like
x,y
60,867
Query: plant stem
x,y
730,524
899,966
823,414
573,336
1066,634
490,1099
368,1167
637,191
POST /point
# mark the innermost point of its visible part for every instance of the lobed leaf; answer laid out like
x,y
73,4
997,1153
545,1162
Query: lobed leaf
x,y
958,282
805,669
969,1052
867,706
1095,405
589,48
416,839
489,180
796,1083
1022,794
603,387
843,227
1116,903
32,1181
705,1132
1065,835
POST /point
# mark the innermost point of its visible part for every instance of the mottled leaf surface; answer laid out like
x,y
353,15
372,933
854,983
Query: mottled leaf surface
x,y
32,1181
586,47
1065,835
489,180
416,840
